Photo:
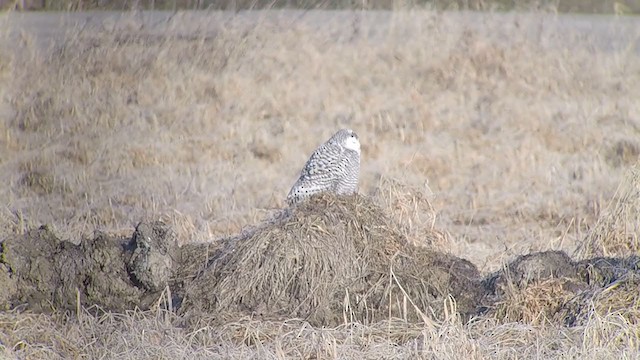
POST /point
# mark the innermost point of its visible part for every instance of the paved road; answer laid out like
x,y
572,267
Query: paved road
x,y
600,32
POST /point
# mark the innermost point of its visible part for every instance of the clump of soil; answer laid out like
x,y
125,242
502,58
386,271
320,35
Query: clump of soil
x,y
550,287
45,273
532,267
615,288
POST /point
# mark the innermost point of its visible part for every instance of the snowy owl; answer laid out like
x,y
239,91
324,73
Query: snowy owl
x,y
333,167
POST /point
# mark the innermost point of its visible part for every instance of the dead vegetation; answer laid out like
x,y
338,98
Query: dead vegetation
x,y
480,142
617,230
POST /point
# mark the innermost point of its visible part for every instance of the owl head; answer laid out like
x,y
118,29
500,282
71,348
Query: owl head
x,y
348,139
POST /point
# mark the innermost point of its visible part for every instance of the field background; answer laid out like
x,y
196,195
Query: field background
x,y
508,132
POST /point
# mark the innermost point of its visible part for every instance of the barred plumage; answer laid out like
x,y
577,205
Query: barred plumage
x,y
333,167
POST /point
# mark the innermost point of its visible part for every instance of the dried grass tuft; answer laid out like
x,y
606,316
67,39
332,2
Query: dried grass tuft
x,y
617,231
413,210
535,304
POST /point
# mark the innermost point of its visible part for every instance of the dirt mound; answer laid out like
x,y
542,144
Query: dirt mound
x,y
532,267
532,288
44,273
614,289
550,287
603,271
331,260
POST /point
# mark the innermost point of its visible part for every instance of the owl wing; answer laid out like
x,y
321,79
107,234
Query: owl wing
x,y
319,173
322,162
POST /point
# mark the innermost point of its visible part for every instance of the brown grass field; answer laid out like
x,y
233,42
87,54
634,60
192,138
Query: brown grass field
x,y
508,133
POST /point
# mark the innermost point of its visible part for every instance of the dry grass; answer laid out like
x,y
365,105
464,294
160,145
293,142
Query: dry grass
x,y
158,336
504,141
617,232
535,304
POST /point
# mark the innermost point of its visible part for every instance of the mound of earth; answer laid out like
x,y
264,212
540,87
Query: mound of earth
x,y
44,273
614,288
550,287
331,260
